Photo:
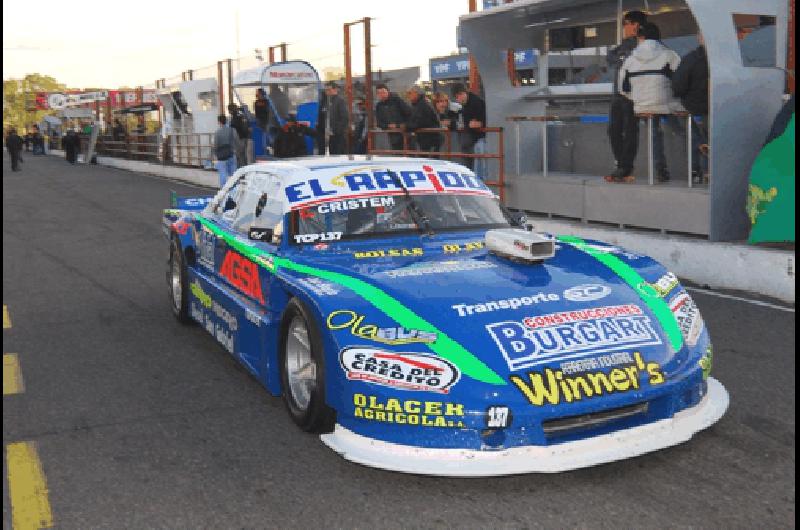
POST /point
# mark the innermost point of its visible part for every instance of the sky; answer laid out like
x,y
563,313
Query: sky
x,y
106,44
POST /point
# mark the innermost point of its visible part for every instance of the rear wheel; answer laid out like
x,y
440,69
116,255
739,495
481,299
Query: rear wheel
x,y
302,366
178,283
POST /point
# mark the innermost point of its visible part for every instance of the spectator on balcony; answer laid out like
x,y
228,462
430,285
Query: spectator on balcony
x,y
261,109
242,128
337,120
423,117
473,139
645,78
445,111
391,114
690,84
623,127
225,143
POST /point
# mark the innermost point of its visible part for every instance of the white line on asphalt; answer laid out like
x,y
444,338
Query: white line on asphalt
x,y
747,300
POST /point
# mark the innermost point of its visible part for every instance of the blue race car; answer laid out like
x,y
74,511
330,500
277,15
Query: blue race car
x,y
405,315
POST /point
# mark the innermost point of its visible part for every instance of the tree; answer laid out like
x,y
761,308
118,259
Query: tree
x,y
18,97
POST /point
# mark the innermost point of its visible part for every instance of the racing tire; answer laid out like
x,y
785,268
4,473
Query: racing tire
x,y
302,368
177,283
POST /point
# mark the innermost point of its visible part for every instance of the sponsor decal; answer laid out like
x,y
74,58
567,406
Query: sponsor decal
x,y
391,253
193,202
352,321
509,303
365,182
688,317
181,227
409,411
422,269
498,417
571,334
707,361
252,316
602,361
553,387
401,371
260,234
223,331
665,284
205,246
319,287
587,293
355,204
604,249
243,274
266,260
313,238
200,294
455,248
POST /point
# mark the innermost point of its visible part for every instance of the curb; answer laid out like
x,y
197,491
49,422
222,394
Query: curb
x,y
742,267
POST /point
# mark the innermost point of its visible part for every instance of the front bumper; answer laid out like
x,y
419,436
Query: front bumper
x,y
609,447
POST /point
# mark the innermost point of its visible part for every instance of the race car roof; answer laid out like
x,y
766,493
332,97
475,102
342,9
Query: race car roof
x,y
313,180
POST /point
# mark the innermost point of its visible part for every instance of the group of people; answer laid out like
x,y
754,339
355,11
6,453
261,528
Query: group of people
x,y
32,141
396,116
233,143
652,80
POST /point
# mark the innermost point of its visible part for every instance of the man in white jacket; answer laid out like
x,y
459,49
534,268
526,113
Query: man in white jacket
x,y
645,79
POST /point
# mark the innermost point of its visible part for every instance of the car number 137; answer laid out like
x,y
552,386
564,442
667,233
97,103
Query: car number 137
x,y
313,238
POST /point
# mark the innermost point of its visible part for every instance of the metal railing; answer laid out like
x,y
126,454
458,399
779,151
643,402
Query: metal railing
x,y
143,147
189,149
448,152
544,120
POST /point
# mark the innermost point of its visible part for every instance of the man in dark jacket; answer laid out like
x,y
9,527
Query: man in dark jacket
x,y
71,143
14,146
242,128
118,131
337,120
690,84
473,139
623,127
391,114
290,141
423,117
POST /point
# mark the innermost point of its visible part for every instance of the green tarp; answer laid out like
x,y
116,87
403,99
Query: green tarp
x,y
770,198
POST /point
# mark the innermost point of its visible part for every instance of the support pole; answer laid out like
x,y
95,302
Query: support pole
x,y
221,96
474,77
284,54
368,73
348,82
230,81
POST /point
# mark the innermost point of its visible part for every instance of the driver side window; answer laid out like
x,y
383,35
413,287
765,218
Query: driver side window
x,y
228,205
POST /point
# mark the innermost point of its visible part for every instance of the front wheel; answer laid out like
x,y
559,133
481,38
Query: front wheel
x,y
302,367
177,283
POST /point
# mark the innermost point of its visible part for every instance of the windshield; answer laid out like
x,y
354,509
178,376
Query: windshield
x,y
383,215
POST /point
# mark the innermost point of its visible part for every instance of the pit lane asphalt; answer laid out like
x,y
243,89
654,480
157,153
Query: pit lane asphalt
x,y
143,423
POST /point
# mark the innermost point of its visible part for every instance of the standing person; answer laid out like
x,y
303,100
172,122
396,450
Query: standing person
x,y
70,143
37,141
14,146
225,143
360,132
645,79
391,114
423,117
473,140
444,111
623,127
262,114
337,120
690,84
242,128
118,132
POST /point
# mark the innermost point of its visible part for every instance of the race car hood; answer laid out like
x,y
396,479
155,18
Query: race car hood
x,y
492,317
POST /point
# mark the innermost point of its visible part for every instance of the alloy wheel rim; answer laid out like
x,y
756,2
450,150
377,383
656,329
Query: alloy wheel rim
x,y
300,367
177,293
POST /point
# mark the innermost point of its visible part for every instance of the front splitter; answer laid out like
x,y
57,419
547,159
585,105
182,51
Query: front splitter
x,y
567,456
